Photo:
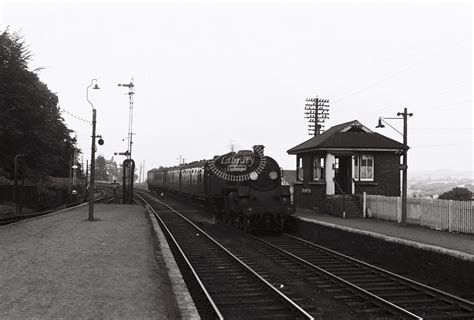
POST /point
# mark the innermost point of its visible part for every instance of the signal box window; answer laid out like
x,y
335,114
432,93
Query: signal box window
x,y
299,169
318,168
364,167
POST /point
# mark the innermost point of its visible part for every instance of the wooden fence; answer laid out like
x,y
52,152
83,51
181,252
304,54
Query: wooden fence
x,y
29,197
454,216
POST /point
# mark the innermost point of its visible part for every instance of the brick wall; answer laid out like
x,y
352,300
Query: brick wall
x,y
309,200
386,182
318,190
386,176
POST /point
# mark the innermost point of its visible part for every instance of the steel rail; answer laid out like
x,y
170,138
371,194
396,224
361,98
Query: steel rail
x,y
269,285
468,303
203,288
380,301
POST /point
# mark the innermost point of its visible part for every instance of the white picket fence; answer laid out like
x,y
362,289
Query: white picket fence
x,y
454,216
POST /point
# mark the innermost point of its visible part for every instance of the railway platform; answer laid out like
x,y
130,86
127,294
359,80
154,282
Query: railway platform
x,y
439,258
453,244
62,266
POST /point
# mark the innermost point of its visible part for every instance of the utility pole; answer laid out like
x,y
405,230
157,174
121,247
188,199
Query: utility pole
x,y
140,176
317,111
232,145
131,87
91,191
87,175
404,168
93,147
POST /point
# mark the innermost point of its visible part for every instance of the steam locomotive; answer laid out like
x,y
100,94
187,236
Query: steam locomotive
x,y
243,188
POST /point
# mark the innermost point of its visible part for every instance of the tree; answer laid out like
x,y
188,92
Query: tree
x,y
30,119
113,170
457,194
101,169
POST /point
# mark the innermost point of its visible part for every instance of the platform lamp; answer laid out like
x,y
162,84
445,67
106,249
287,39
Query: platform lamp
x,y
404,167
93,147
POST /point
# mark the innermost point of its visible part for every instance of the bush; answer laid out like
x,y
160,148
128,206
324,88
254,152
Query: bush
x,y
457,194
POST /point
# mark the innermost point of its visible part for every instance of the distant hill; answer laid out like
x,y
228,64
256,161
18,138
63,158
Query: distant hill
x,y
434,183
441,174
422,183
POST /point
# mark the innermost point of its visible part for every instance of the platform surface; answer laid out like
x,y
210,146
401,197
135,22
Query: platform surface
x,y
456,244
63,266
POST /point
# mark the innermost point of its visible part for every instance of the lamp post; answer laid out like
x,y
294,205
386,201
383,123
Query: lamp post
x,y
91,185
404,167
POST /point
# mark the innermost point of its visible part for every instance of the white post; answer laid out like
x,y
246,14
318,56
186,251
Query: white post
x,y
364,204
399,210
450,216
329,171
352,178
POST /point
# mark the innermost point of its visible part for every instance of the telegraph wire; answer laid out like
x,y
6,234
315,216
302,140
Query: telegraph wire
x,y
443,145
441,128
391,75
453,104
62,110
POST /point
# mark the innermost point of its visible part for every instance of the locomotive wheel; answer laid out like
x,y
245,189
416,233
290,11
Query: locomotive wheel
x,y
247,225
227,214
282,226
226,218
240,223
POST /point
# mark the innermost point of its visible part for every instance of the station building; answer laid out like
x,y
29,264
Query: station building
x,y
343,162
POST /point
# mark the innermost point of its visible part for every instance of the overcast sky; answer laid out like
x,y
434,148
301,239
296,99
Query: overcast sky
x,y
208,74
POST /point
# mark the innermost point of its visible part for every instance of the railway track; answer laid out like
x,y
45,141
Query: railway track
x,y
418,300
103,198
222,285
369,291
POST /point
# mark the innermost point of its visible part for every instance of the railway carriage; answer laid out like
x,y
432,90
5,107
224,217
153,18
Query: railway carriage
x,y
244,188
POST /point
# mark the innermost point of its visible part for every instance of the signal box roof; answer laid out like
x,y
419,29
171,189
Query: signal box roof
x,y
350,135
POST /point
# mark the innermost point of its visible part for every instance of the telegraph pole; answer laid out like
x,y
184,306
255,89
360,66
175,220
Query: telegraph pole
x,y
87,177
140,175
404,168
131,92
317,111
91,191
